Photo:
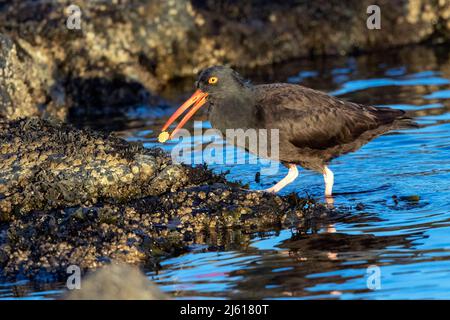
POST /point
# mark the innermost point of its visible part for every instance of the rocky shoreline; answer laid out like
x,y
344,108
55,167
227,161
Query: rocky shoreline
x,y
79,197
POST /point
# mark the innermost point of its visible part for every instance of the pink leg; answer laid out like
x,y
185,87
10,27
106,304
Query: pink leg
x,y
291,176
328,177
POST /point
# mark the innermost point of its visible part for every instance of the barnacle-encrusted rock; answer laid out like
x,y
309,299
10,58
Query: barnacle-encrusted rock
x,y
27,88
49,165
70,196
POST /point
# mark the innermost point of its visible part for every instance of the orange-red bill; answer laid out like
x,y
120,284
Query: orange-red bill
x,y
196,101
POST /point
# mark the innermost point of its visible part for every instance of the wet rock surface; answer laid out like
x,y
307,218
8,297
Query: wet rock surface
x,y
78,197
125,50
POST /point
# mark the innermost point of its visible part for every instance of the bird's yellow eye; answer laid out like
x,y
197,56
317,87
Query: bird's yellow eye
x,y
212,80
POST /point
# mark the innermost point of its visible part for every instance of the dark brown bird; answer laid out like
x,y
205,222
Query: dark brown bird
x,y
314,128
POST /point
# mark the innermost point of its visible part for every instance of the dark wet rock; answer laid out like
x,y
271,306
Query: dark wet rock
x,y
126,50
78,197
43,244
116,282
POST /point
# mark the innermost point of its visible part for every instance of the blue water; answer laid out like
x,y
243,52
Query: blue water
x,y
392,204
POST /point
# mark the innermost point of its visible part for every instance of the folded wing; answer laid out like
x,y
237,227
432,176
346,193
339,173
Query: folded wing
x,y
315,120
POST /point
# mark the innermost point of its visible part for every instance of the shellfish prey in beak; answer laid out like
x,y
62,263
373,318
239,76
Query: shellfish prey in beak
x,y
195,101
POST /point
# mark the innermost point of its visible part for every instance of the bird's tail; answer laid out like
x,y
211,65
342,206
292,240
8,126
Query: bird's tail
x,y
398,118
406,123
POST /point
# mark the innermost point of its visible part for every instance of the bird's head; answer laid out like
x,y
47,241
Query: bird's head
x,y
213,83
220,81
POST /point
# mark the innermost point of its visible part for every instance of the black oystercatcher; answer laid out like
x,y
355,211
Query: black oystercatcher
x,y
314,128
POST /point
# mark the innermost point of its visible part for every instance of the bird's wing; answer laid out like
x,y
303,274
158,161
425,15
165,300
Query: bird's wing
x,y
313,119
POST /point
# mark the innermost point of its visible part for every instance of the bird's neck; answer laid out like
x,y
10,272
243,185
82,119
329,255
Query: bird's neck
x,y
233,111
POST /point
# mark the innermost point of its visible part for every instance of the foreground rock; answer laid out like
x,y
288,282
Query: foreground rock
x,y
116,282
76,197
50,165
128,49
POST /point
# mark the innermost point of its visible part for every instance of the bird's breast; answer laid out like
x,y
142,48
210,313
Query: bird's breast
x,y
231,115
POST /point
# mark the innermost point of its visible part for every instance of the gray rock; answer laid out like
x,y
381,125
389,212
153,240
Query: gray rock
x,y
116,282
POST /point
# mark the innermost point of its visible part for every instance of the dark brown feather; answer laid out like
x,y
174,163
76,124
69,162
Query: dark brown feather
x,y
320,127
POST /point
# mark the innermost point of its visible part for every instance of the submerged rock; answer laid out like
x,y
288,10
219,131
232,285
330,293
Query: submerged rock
x,y
78,197
125,50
